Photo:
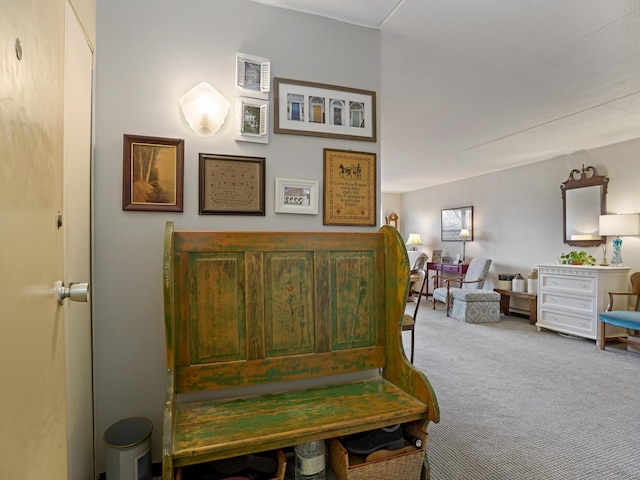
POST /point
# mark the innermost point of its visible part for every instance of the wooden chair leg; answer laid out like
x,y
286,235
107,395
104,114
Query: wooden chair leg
x,y
413,342
603,337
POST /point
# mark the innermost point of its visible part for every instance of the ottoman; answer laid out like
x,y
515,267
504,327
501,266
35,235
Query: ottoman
x,y
475,306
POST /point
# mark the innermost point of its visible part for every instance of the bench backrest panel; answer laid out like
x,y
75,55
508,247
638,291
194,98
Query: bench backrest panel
x,y
259,307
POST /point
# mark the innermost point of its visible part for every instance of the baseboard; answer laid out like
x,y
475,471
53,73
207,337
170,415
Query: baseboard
x,y
156,471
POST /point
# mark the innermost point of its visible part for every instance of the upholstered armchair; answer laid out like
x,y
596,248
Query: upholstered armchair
x,y
627,319
469,302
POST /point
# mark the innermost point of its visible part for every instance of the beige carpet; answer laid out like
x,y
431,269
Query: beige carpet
x,y
521,404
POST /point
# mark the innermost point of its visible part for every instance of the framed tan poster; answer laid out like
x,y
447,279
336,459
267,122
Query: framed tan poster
x,y
349,188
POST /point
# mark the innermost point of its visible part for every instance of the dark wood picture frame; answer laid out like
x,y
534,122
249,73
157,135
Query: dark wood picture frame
x,y
320,110
453,220
349,188
152,173
231,185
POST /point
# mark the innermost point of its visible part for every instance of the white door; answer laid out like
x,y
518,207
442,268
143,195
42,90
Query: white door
x,y
76,225
32,358
35,429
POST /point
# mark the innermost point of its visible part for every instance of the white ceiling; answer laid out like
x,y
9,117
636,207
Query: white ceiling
x,y
471,87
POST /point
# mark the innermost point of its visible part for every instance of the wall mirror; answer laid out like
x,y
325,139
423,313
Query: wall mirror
x,y
584,197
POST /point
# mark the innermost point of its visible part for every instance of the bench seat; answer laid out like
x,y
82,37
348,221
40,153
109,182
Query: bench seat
x,y
278,338
215,429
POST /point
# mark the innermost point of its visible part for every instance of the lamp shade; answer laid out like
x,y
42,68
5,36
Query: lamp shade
x,y
625,224
414,239
464,233
204,109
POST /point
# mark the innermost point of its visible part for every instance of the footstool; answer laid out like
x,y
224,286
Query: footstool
x,y
475,306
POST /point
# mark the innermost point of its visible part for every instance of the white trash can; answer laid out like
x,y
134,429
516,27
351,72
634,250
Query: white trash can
x,y
128,449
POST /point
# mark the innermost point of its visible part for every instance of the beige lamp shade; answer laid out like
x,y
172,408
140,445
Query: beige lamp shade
x,y
624,224
414,239
464,233
204,109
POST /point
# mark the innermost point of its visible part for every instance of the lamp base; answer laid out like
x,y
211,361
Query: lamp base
x,y
616,257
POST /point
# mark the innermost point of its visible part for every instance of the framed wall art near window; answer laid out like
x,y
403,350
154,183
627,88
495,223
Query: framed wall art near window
x,y
253,76
231,185
296,196
152,173
455,219
316,109
252,120
349,188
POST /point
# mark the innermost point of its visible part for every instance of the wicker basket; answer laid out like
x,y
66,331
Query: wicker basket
x,y
405,466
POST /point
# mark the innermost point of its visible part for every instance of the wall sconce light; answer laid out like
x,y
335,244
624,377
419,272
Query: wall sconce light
x,y
626,224
414,239
204,109
464,235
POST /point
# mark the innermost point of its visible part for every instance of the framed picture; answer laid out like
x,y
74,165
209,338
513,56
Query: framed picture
x,y
152,173
455,219
437,256
319,110
231,185
253,76
349,188
252,120
296,196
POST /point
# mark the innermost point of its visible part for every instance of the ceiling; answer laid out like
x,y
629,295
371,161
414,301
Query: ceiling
x,y
471,87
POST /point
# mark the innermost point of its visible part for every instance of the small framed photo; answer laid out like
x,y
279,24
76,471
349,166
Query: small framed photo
x,y
447,259
437,256
252,120
253,76
231,185
296,196
152,173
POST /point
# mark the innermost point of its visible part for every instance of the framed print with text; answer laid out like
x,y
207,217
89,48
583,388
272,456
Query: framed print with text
x,y
231,185
349,188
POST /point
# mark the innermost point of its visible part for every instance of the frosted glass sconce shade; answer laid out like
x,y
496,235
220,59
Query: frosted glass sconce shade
x,y
204,109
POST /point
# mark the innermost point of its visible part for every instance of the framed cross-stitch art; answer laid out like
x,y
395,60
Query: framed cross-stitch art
x,y
349,188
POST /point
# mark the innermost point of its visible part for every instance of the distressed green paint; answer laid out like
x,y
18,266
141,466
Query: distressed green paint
x,y
260,308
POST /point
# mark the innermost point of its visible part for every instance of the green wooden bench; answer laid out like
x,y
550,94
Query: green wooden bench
x,y
274,339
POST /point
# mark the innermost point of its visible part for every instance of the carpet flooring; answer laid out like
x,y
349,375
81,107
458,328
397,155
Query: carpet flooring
x,y
517,404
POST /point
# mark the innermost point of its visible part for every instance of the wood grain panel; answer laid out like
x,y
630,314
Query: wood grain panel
x,y
354,293
217,323
289,319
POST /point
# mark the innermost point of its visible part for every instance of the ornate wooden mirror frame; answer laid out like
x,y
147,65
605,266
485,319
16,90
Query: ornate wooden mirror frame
x,y
584,199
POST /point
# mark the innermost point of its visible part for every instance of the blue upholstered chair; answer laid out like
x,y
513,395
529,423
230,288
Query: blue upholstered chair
x,y
469,302
627,319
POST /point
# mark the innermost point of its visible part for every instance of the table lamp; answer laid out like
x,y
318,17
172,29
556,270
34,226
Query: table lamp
x,y
464,235
414,239
625,224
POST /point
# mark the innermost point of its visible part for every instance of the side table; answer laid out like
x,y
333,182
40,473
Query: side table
x,y
459,269
505,296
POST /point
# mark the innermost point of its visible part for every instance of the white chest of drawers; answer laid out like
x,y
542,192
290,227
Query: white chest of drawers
x,y
571,297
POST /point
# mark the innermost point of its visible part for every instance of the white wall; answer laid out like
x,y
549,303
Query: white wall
x,y
151,52
518,212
